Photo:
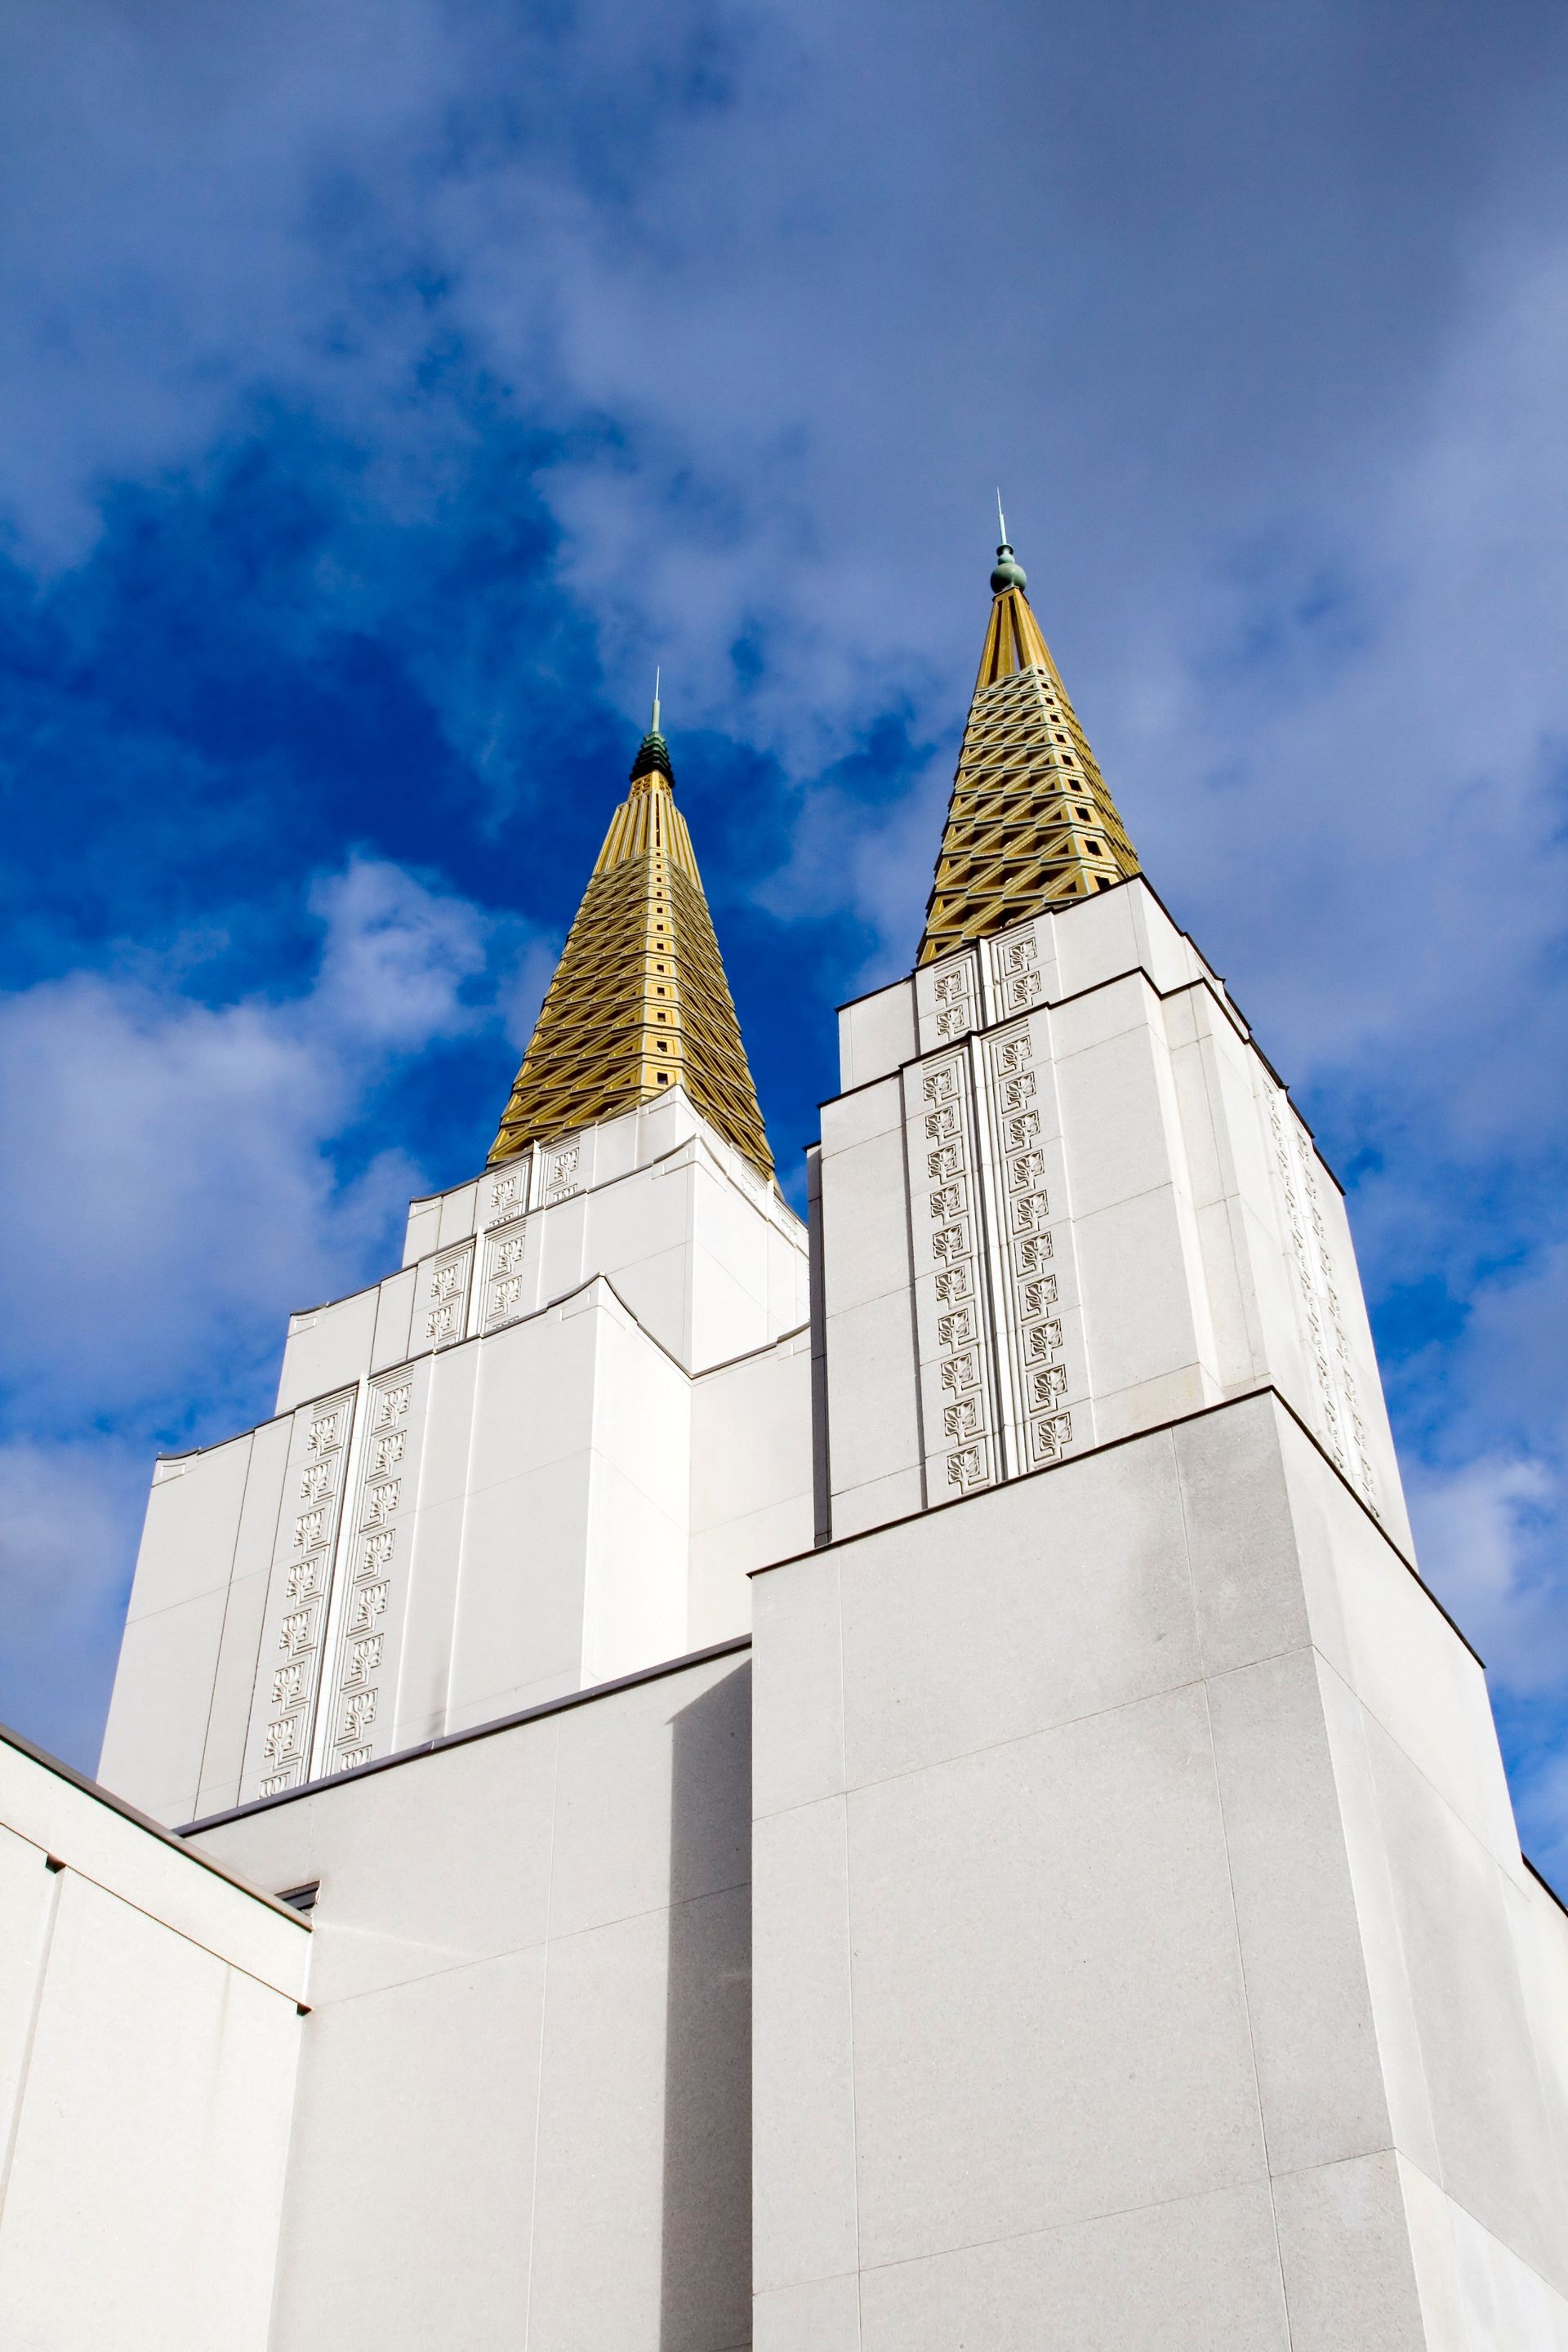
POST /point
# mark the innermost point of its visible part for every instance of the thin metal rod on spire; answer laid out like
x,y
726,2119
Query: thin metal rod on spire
x,y
1001,518
654,729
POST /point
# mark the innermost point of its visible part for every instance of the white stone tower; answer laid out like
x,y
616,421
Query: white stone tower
x,y
547,1451
1144,1954
1103,1922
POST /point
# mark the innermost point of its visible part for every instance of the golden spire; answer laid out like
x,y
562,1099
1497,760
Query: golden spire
x,y
640,1001
1030,823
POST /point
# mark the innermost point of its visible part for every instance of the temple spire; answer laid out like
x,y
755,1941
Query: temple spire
x,y
1030,823
639,1003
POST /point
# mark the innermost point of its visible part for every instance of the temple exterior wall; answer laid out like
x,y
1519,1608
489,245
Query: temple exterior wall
x,y
1064,1198
525,2094
1143,1951
150,2031
543,1455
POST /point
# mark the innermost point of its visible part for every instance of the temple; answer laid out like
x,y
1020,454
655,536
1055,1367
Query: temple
x,y
880,1784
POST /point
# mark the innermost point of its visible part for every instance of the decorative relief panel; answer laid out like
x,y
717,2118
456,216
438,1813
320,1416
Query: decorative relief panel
x,y
1033,1268
562,1171
298,1594
1020,969
952,1306
504,1192
1336,1395
1004,1364
441,1299
508,1290
373,1577
947,1000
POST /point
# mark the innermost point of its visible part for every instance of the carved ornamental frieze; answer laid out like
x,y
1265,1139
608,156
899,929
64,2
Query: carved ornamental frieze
x,y
1003,1359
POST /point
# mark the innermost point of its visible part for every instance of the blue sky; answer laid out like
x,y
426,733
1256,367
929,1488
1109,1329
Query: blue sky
x,y
389,384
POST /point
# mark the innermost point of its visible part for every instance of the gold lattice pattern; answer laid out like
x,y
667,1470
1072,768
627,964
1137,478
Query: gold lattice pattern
x,y
640,1001
1030,823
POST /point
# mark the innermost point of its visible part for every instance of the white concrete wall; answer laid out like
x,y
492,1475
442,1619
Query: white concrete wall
x,y
545,1453
710,1259
523,2107
1144,1954
1085,1209
750,1480
149,2036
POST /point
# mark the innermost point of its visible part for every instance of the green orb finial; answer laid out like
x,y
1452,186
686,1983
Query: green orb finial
x,y
1008,573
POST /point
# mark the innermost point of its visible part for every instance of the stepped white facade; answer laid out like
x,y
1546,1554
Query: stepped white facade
x,y
543,1454
884,1790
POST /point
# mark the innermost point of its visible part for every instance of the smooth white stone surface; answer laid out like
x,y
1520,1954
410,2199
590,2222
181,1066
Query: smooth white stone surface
x,y
1313,2041
1344,2246
872,1402
866,1238
802,2059
798,1675
193,1517
26,1901
850,1119
876,1033
1052,1916
149,2033
1190,2275
821,2315
157,1727
1503,2303
877,1502
328,1346
1122,1937
524,2100
1074,1598
1240,1541
1496,2151
1388,1640
400,2091
625,1772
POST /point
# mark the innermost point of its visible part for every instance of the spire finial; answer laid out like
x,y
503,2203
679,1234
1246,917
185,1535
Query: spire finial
x,y
653,753
1008,573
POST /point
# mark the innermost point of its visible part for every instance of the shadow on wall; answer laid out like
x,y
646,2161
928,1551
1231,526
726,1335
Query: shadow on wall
x,y
706,2285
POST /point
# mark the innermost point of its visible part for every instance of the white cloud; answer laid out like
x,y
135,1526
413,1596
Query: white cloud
x,y
170,1190
397,961
1484,1530
69,1513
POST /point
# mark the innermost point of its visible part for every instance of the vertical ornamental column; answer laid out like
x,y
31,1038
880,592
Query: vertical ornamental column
x,y
283,1704
374,1576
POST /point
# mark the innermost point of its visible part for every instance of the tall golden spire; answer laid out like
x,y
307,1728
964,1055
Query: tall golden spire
x,y
1030,823
640,1001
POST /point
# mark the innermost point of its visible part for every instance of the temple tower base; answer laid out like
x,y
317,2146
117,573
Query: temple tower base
x,y
1144,1956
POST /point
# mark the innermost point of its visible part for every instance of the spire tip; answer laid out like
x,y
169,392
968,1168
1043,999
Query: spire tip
x,y
1010,573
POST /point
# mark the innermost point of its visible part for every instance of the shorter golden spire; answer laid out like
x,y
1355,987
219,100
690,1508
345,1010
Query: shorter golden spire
x,y
640,1001
1030,823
